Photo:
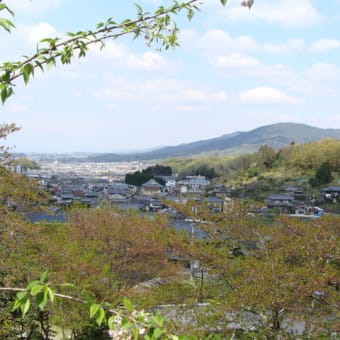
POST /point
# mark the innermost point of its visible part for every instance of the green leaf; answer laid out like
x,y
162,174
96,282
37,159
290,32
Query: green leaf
x,y
4,6
36,289
44,274
157,333
32,283
39,297
111,322
51,294
101,316
4,94
127,325
190,13
16,305
27,70
88,297
25,307
39,64
135,333
139,8
21,295
94,309
41,300
223,2
68,285
158,320
128,305
6,24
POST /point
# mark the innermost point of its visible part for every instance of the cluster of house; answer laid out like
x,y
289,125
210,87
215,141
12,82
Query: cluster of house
x,y
151,195
68,189
293,201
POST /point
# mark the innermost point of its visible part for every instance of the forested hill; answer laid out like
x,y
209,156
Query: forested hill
x,y
276,136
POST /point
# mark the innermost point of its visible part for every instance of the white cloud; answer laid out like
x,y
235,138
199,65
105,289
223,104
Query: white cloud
x,y
324,45
186,108
199,95
289,13
23,40
267,95
217,42
234,60
324,72
32,7
17,108
333,118
268,118
217,39
292,46
120,56
37,32
163,95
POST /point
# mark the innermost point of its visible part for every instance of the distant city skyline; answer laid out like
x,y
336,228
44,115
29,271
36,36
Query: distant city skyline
x,y
235,70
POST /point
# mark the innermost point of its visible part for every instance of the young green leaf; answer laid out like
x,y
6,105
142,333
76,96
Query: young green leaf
x,y
128,305
35,289
223,2
190,13
157,333
158,320
41,299
68,285
45,273
4,6
32,283
94,309
51,294
4,94
21,295
16,305
25,307
27,70
101,316
135,333
6,24
111,322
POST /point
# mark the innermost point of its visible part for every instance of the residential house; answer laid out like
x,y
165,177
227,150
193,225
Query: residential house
x,y
151,188
215,204
170,183
156,205
297,193
193,184
331,193
219,190
284,203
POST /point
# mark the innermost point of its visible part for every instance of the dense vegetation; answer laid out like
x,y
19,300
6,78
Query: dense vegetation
x,y
269,278
156,172
283,273
289,162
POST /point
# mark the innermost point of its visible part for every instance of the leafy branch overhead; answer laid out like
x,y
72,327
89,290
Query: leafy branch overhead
x,y
158,28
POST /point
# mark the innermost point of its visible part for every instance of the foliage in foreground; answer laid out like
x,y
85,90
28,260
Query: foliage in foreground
x,y
287,272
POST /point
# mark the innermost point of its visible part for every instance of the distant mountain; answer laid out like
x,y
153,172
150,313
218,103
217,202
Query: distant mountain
x,y
276,135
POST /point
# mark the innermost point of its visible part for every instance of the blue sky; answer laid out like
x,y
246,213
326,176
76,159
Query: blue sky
x,y
235,70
